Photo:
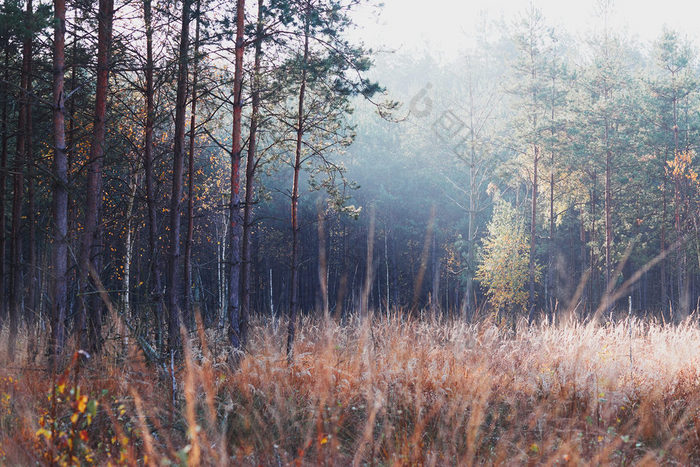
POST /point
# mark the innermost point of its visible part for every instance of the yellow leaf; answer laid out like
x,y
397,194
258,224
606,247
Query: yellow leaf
x,y
82,403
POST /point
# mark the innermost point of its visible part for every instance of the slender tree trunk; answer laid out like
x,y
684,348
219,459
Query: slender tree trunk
x,y
662,263
222,270
60,188
173,289
468,304
89,317
608,221
322,261
550,267
369,266
19,166
533,235
31,311
251,165
582,238
535,186
236,220
187,309
435,294
594,238
128,251
294,280
156,285
386,268
681,259
71,130
3,172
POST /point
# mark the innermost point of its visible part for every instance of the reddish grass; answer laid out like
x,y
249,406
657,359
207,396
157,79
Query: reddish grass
x,y
379,391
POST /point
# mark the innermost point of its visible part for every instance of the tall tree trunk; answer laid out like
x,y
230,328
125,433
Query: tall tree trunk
x,y
71,130
681,259
222,269
156,285
551,277
187,309
662,263
584,296
365,294
89,317
468,304
322,261
608,220
3,172
435,293
294,280
19,166
386,267
235,216
535,161
128,250
31,311
60,188
594,295
533,235
251,165
173,289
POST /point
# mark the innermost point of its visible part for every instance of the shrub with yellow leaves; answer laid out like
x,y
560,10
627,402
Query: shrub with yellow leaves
x,y
62,436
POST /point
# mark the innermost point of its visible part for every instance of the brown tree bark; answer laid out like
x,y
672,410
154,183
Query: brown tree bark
x,y
71,129
31,308
90,317
187,309
234,332
60,188
3,179
19,166
173,289
294,281
156,284
251,165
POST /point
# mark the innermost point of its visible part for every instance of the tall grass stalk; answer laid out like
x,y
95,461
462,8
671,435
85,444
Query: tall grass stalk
x,y
376,390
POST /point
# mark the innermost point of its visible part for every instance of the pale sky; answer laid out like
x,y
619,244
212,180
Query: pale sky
x,y
446,25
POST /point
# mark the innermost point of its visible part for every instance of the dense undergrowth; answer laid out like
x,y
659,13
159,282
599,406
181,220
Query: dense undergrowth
x,y
381,392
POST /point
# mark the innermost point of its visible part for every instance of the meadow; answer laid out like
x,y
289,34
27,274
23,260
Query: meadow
x,y
372,391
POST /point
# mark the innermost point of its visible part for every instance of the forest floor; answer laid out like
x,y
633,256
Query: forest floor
x,y
381,391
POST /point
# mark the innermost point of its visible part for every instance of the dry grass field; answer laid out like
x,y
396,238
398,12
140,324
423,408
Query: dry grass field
x,y
370,392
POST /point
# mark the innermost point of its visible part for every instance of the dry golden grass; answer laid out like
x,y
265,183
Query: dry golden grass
x,y
381,391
